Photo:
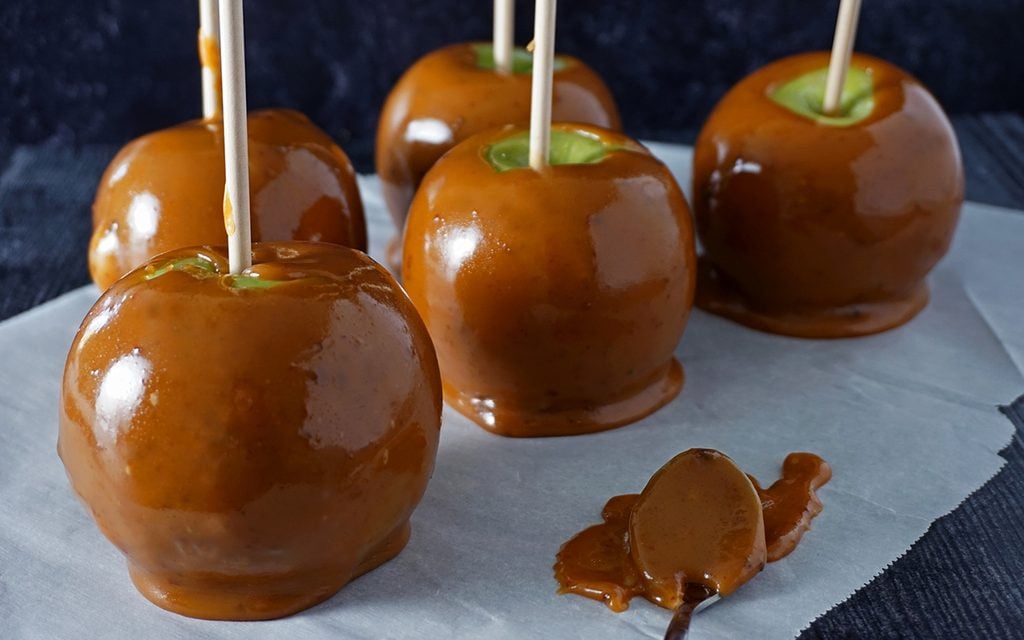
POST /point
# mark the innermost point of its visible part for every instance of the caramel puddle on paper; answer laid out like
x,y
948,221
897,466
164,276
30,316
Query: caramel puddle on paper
x,y
598,563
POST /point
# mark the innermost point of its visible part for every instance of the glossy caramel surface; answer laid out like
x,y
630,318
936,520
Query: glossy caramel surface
x,y
824,231
165,190
691,527
698,520
445,98
251,446
555,298
791,502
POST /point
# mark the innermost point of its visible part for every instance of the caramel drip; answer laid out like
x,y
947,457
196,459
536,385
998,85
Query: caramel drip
x,y
209,59
229,214
791,502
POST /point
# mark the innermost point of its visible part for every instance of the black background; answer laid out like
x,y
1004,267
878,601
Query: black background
x,y
109,70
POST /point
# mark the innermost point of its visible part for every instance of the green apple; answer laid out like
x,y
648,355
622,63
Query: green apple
x,y
805,95
522,60
201,267
567,147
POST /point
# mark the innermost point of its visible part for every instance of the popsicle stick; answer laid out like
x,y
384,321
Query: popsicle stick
x,y
540,103
209,56
842,49
236,139
504,29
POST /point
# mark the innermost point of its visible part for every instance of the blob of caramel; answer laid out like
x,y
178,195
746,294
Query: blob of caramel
x,y
698,520
692,532
791,502
555,298
455,92
164,191
819,227
251,443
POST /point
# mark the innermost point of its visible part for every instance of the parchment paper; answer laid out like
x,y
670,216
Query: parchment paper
x,y
907,419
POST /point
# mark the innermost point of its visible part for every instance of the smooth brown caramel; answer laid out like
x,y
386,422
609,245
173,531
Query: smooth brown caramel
x,y
251,443
698,520
700,527
445,98
555,298
824,231
165,191
791,502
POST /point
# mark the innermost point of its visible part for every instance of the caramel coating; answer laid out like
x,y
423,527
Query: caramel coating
x,y
445,98
555,298
165,190
251,449
822,231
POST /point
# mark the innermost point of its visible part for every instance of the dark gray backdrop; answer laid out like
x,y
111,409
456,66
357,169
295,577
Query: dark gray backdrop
x,y
109,70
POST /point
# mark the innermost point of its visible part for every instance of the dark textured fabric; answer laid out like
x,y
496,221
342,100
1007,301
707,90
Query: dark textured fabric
x,y
45,221
109,70
962,580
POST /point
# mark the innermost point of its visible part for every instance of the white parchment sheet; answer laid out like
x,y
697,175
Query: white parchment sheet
x,y
907,419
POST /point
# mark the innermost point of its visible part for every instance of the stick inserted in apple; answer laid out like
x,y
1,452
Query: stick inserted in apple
x,y
252,428
821,215
162,191
555,270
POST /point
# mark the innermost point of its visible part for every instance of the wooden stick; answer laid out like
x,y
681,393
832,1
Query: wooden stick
x,y
842,49
236,140
209,56
540,103
504,34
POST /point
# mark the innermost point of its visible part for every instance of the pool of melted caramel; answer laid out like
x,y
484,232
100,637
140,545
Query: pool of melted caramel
x,y
598,563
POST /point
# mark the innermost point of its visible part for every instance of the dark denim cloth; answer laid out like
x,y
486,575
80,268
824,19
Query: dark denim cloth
x,y
961,580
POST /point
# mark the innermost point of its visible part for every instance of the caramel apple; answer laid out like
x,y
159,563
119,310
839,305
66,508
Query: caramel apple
x,y
824,226
164,191
251,442
455,92
555,297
